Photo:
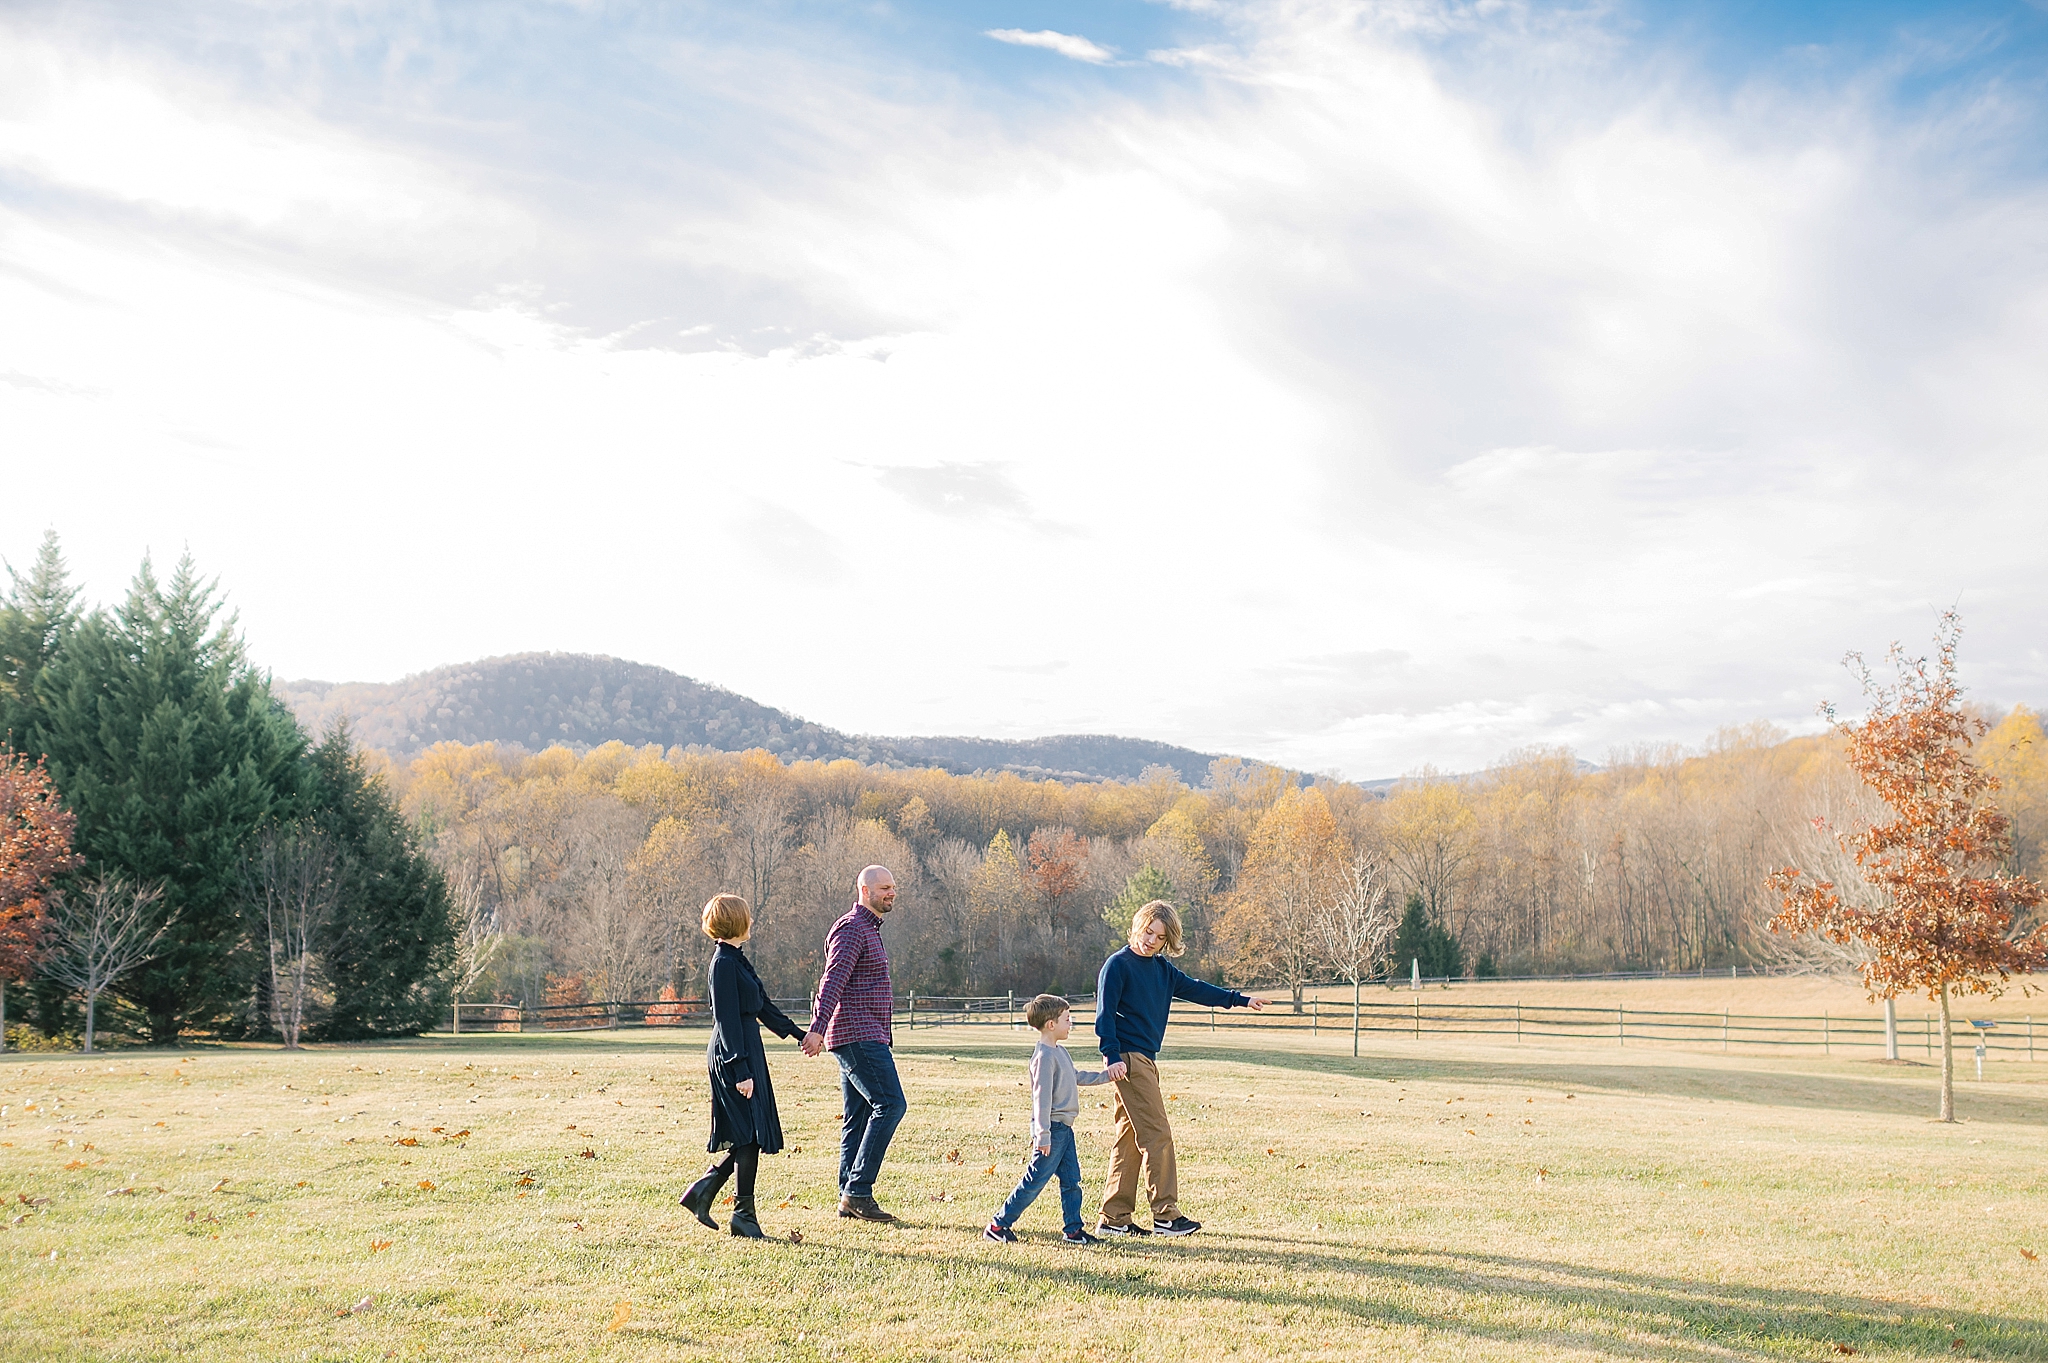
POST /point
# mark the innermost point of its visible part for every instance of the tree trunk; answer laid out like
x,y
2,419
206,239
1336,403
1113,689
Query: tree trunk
x,y
3,1012
458,1015
1948,1063
92,1000
1297,996
1354,1017
1891,1029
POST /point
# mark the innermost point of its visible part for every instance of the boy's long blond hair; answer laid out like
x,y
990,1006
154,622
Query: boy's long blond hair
x,y
1159,911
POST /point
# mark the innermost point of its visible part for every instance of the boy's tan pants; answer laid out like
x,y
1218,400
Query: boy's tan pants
x,y
1142,1136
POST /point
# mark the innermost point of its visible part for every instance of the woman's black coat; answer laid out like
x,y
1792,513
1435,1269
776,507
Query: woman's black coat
x,y
739,1005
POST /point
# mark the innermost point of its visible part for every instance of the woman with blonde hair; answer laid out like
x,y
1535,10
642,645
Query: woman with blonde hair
x,y
744,1122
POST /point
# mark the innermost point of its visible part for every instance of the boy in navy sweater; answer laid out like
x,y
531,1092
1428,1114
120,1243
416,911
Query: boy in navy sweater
x,y
1132,995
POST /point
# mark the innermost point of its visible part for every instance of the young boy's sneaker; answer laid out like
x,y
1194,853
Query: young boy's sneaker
x,y
1128,1228
1002,1235
1180,1225
1080,1237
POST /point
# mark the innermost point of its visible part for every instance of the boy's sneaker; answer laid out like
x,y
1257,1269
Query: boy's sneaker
x,y
1002,1235
1128,1228
1080,1237
1180,1225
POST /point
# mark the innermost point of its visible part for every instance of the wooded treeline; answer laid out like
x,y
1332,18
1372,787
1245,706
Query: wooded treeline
x,y
312,884
179,776
596,864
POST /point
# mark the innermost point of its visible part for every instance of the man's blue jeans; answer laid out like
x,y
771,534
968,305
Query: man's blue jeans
x,y
1065,1161
873,1105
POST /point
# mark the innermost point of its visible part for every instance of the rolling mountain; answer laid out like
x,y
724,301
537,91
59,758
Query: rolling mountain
x,y
582,700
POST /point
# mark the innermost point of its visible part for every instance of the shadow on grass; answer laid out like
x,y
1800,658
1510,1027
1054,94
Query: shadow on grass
x,y
1638,1315
1909,1094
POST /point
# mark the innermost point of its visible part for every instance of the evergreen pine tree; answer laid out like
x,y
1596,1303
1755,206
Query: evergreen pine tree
x,y
171,750
1141,889
391,934
40,609
1423,940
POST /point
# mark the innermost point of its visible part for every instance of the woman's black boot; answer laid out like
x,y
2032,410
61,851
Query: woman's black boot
x,y
747,1159
702,1195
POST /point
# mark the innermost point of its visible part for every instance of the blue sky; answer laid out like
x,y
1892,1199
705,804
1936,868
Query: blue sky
x,y
1355,385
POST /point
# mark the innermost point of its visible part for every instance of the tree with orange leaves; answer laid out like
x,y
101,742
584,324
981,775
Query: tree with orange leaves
x,y
35,847
1058,861
1944,919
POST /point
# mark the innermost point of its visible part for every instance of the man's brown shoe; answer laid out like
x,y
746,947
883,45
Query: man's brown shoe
x,y
864,1209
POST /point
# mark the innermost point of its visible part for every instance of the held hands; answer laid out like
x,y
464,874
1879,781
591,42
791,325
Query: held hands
x,y
1116,1072
745,1088
812,1044
1045,1149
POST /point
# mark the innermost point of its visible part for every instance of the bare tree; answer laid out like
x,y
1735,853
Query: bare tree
x,y
294,874
1356,926
478,933
103,931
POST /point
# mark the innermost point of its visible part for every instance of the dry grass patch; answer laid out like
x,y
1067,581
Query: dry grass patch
x,y
514,1196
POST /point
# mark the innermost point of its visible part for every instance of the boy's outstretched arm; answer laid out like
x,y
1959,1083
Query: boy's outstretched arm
x,y
1186,986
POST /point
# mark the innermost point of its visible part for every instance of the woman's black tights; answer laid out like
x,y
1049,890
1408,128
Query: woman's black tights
x,y
748,1160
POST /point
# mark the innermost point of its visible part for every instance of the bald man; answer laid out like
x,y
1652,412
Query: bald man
x,y
852,1020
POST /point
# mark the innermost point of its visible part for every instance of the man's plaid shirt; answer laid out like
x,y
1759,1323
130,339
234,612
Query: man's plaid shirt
x,y
854,1001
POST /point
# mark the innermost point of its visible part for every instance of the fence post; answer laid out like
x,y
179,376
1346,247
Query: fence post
x,y
1724,1028
1518,1022
1314,1017
1824,1047
1621,1025
911,1023
2030,1038
1013,1006
1212,1019
1418,1017
1927,1033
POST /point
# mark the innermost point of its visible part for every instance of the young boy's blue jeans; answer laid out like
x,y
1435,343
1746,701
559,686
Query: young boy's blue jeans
x,y
1064,1161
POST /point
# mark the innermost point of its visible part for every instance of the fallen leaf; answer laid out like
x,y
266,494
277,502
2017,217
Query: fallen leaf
x,y
2030,1256
76,1164
439,1129
1271,1151
1845,1348
120,1192
796,1237
376,1245
990,1170
525,1181
426,1185
1470,1132
218,1186
357,1309
302,1184
586,1153
952,1157
936,1197
408,1140
1302,1165
1956,1344
621,1313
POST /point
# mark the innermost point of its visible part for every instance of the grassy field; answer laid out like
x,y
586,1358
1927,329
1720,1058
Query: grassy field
x,y
503,1197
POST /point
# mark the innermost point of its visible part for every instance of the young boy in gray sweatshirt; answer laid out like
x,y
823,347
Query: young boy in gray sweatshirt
x,y
1055,1104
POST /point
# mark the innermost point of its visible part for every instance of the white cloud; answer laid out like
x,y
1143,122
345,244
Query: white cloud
x,y
1391,414
1066,44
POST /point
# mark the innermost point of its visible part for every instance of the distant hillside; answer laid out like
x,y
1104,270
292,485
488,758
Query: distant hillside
x,y
537,699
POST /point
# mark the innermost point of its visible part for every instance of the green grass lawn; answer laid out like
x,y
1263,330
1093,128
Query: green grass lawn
x,y
1428,1200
